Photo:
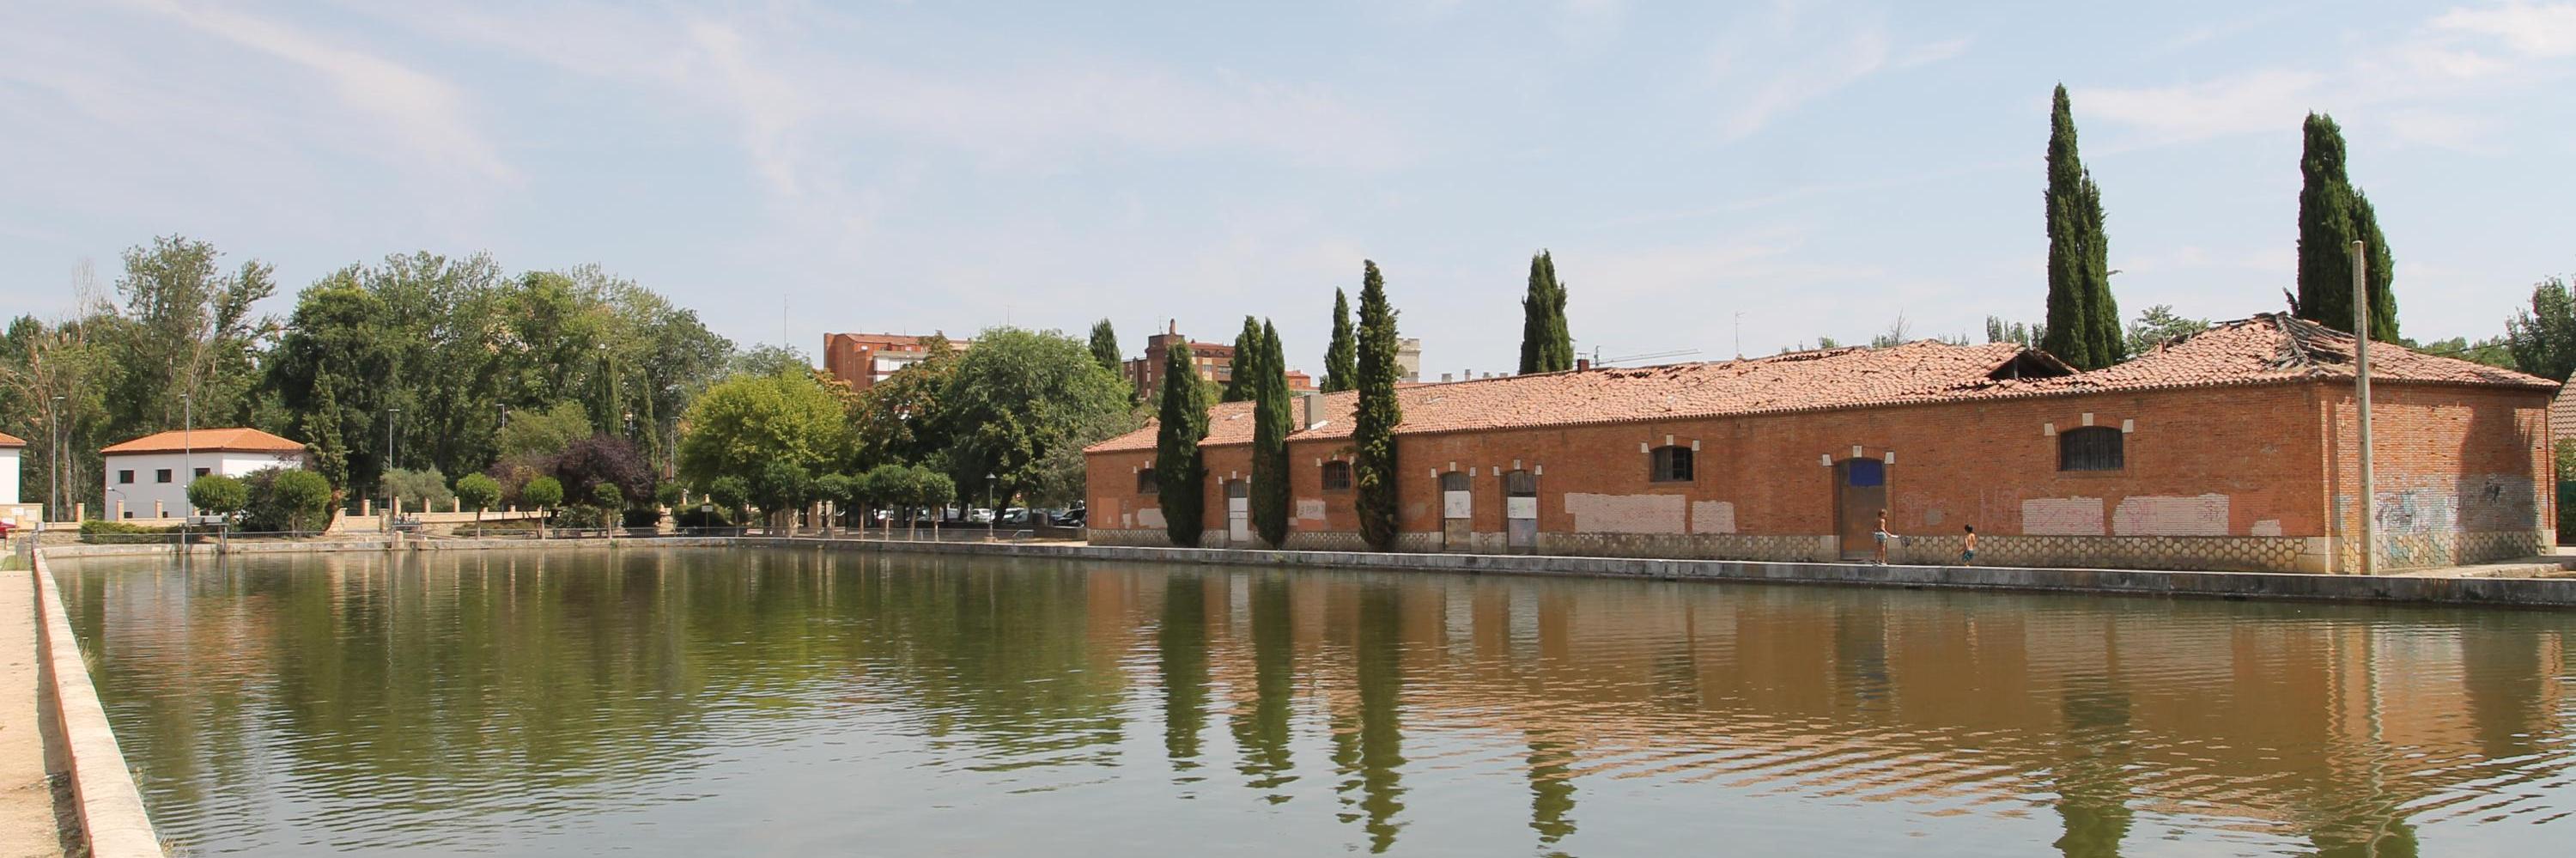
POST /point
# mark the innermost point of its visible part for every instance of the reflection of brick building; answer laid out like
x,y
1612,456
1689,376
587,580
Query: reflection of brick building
x,y
862,360
2229,449
1215,362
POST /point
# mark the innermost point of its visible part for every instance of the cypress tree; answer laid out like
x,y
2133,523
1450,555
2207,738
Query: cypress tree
x,y
1180,473
1546,346
2332,214
1341,357
1373,465
1270,428
1104,347
2084,326
1246,364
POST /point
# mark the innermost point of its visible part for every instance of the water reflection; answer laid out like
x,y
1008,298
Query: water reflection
x,y
678,702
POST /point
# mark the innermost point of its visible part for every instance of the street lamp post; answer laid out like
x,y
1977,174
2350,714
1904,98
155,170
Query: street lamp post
x,y
54,491
187,462
385,474
992,516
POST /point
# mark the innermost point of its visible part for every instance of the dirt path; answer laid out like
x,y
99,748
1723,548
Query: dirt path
x,y
26,799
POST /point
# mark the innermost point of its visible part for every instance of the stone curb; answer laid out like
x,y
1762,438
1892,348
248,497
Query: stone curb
x,y
2531,592
113,821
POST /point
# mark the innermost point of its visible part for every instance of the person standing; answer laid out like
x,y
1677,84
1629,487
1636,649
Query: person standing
x,y
1968,547
1883,536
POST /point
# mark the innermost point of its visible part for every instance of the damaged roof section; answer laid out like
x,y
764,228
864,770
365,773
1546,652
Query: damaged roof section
x,y
2266,349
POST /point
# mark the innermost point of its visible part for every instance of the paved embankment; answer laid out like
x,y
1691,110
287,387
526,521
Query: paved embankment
x,y
112,821
27,822
2538,592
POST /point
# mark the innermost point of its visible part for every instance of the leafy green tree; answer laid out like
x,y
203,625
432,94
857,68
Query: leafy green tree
x,y
2159,324
1270,428
542,494
731,492
2543,339
543,432
904,417
1246,364
478,492
607,497
890,485
1104,348
1061,475
2493,351
1180,472
600,458
1016,398
780,487
2083,319
1373,464
2332,215
1546,345
746,423
421,491
286,499
183,333
2000,331
39,362
218,494
1341,357
839,490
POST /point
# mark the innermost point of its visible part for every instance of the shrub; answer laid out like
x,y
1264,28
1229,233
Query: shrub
x,y
420,491
478,491
218,494
694,517
542,493
103,532
286,499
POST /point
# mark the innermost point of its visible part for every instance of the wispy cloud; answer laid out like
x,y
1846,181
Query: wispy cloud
x,y
421,113
2533,29
1773,62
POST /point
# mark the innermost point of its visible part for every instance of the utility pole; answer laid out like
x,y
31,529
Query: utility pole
x,y
188,464
385,474
2361,393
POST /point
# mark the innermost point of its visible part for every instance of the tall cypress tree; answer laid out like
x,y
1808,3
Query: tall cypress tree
x,y
1246,363
2332,214
1180,473
1546,346
1373,465
2083,320
1270,428
1341,356
1104,347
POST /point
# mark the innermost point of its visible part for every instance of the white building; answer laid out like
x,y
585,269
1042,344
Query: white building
x,y
148,477
10,448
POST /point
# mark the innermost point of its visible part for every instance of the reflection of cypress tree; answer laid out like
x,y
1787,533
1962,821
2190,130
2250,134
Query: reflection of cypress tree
x,y
1551,779
2091,796
1181,642
1381,678
2369,835
1263,730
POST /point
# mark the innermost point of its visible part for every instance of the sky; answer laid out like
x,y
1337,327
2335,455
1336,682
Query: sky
x,y
1717,177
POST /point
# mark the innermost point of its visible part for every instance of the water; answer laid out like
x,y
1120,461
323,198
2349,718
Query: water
x,y
701,702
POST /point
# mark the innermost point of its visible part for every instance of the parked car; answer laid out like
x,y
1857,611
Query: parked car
x,y
1019,516
1071,518
979,515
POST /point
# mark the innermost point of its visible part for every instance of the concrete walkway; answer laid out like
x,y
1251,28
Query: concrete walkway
x,y
27,811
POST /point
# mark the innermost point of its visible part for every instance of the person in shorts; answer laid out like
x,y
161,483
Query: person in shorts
x,y
1968,547
1883,536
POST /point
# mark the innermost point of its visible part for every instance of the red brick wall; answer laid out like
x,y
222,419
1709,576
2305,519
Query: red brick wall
x,y
2261,450
2464,460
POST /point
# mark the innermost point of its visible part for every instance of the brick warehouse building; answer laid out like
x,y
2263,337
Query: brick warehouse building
x,y
2228,449
862,360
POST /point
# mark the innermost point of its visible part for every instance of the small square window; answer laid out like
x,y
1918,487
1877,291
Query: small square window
x,y
2092,448
161,476
125,478
1145,484
1670,465
204,471
1337,476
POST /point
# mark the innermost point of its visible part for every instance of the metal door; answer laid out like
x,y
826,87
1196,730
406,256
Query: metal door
x,y
1520,512
1238,512
1457,512
1860,491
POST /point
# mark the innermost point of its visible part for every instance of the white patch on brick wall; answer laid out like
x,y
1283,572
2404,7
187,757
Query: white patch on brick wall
x,y
2267,527
1712,516
1625,513
1150,518
1310,510
2061,517
2205,515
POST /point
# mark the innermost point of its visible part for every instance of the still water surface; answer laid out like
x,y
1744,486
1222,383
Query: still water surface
x,y
705,702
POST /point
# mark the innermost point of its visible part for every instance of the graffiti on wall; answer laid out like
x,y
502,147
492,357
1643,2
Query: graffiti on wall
x,y
1595,513
2150,515
2061,517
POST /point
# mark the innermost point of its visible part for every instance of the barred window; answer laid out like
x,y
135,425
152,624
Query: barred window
x,y
1337,476
1145,484
1670,465
2092,448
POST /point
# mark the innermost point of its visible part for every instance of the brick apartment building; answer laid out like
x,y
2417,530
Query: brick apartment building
x,y
2233,448
862,360
1215,362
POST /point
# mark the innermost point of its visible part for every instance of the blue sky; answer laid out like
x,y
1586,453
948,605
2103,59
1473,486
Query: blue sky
x,y
787,169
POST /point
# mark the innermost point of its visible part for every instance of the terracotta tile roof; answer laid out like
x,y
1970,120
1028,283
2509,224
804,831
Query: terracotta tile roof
x,y
1801,381
2562,414
8,440
2266,349
218,440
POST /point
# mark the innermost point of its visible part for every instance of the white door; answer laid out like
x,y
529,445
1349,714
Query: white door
x,y
1238,512
1457,512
